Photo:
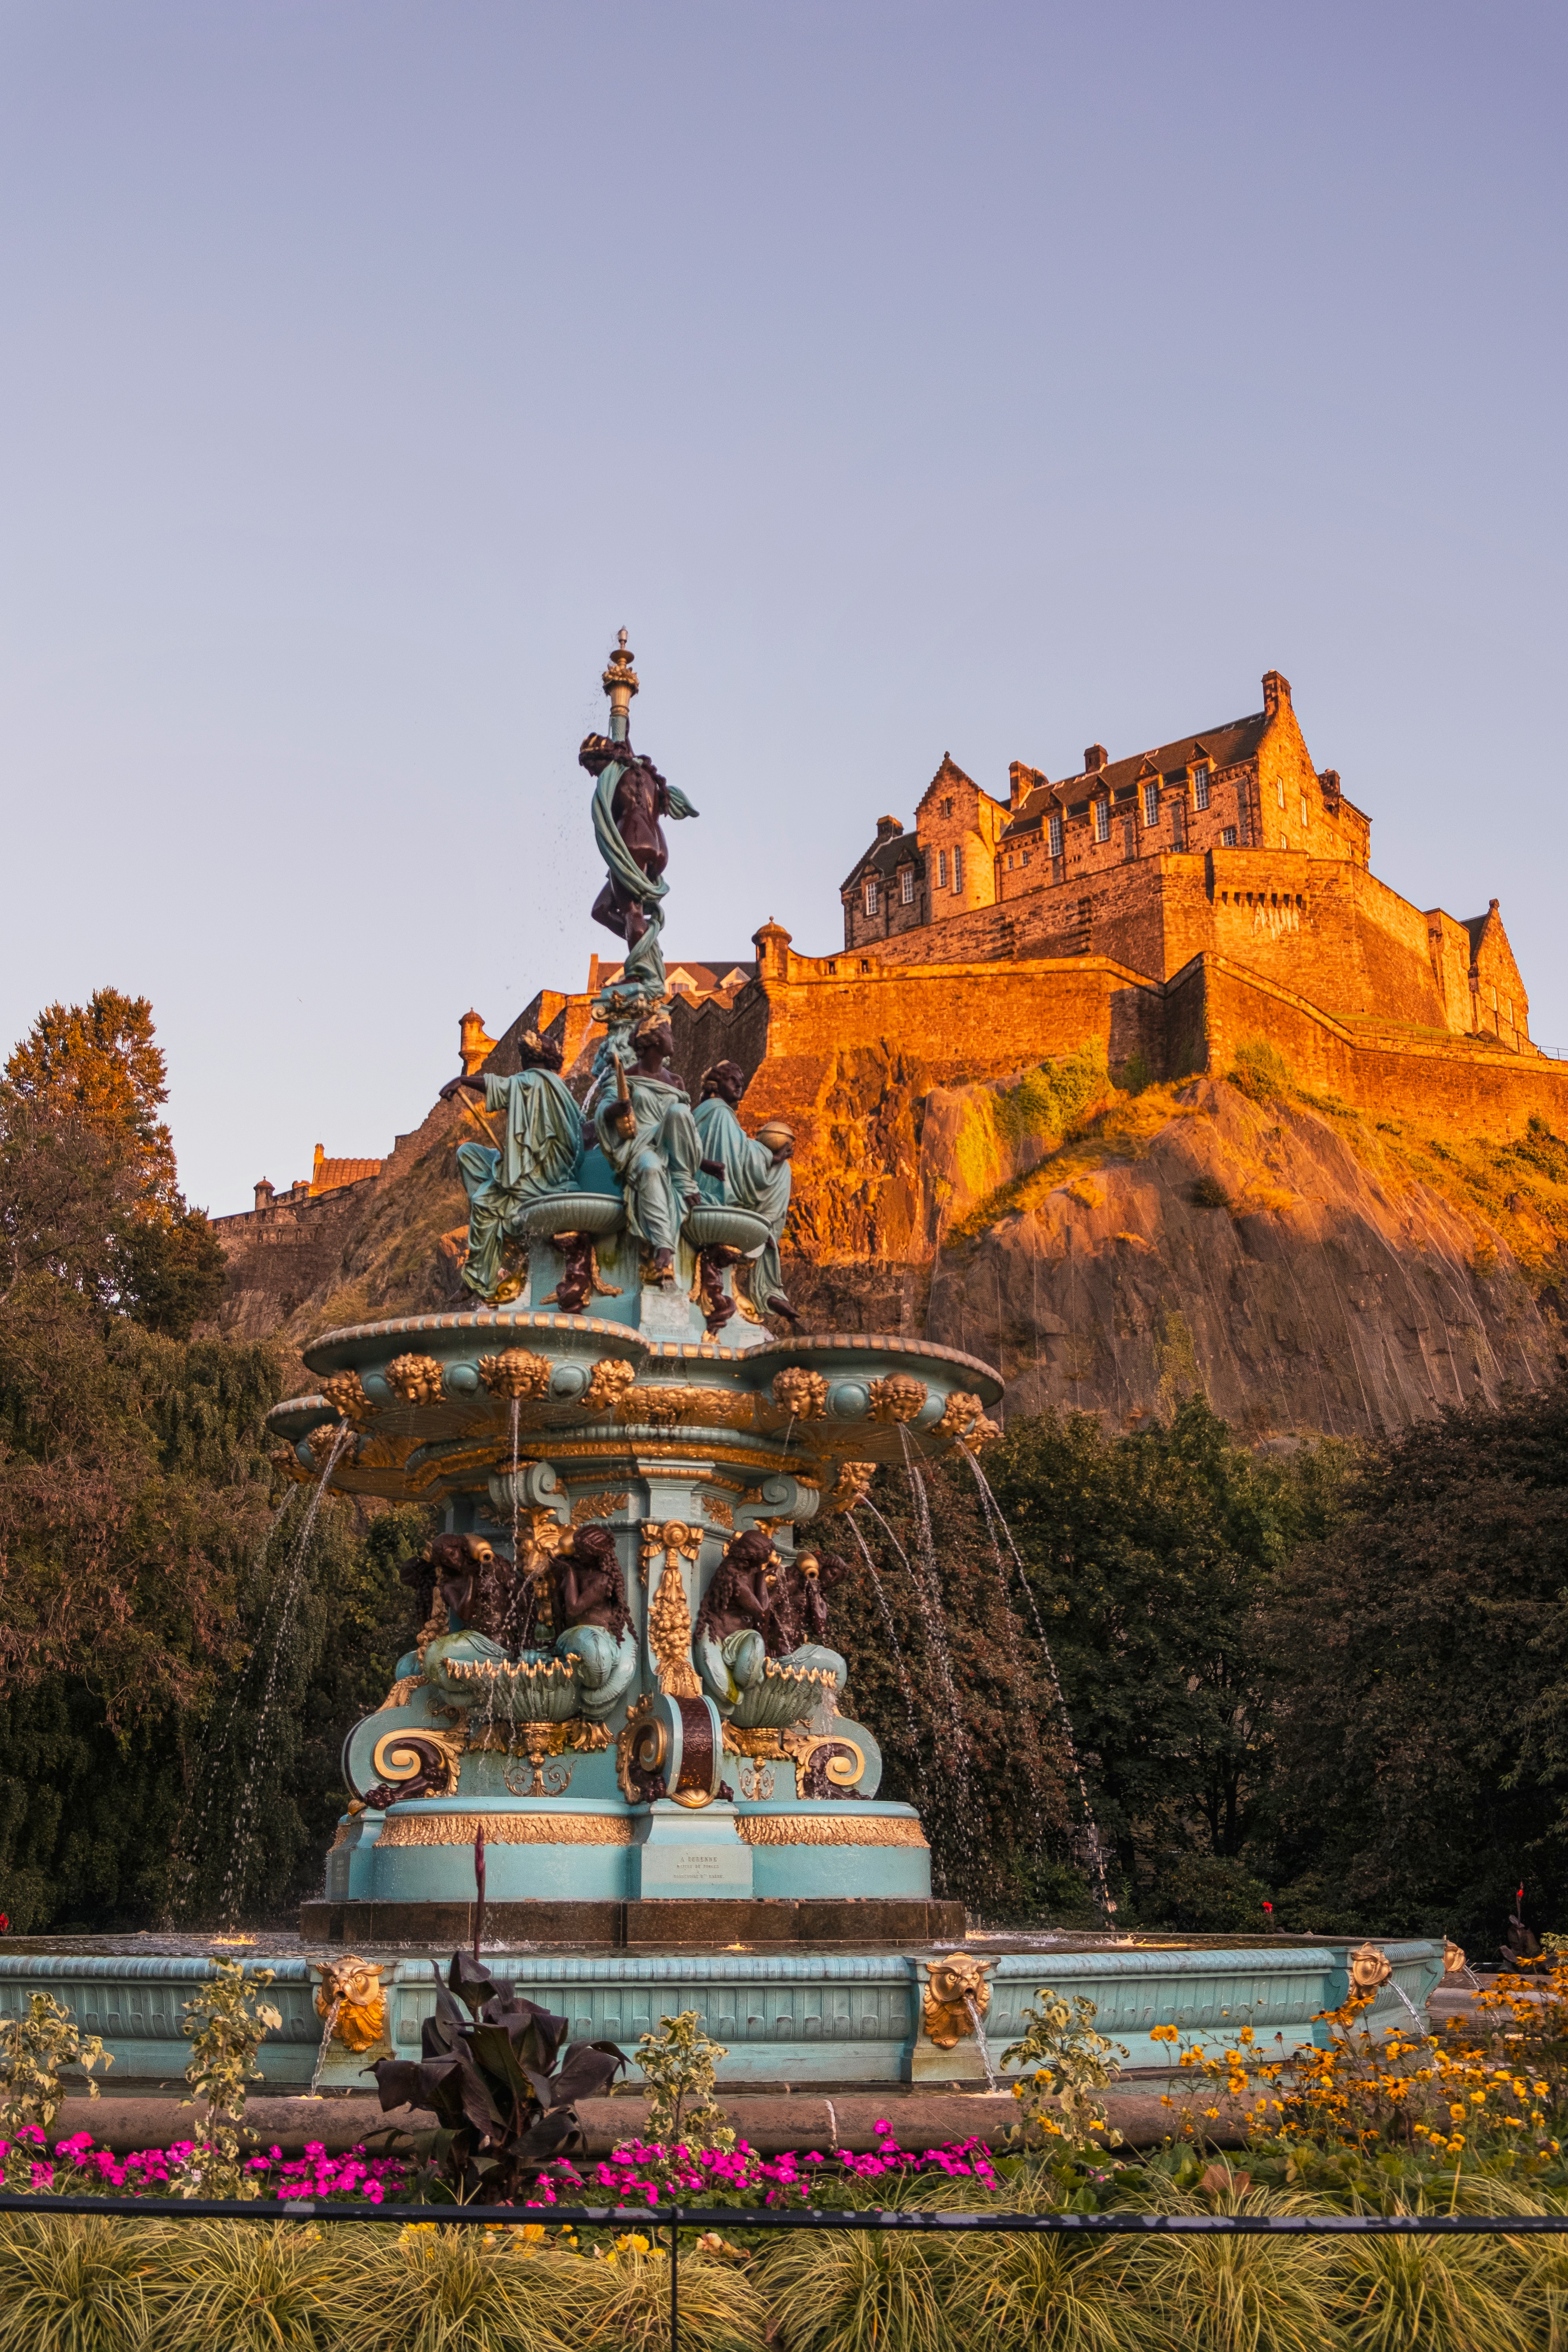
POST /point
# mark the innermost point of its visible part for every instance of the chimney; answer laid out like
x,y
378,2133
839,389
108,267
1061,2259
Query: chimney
x,y
1094,759
886,826
1276,693
1022,781
1330,781
263,1196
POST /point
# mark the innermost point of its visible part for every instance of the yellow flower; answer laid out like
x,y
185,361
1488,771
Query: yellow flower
x,y
1164,2034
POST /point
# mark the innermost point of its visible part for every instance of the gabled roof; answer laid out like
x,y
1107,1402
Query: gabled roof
x,y
884,858
1224,746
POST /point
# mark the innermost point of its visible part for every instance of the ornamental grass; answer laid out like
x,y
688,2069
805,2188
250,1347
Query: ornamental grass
x,y
76,2283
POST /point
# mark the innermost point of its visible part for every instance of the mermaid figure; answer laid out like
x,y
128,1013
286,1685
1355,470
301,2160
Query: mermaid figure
x,y
593,1625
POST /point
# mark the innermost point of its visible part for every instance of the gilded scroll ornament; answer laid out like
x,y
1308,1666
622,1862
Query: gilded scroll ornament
x,y
801,1392
351,1996
670,1613
849,1828
956,1995
402,1691
899,1397
346,1391
719,1514
516,1372
852,1485
1453,1956
382,1452
400,1758
416,1379
507,1828
593,1508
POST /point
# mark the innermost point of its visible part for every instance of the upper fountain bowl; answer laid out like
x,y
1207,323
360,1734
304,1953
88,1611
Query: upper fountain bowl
x,y
714,1226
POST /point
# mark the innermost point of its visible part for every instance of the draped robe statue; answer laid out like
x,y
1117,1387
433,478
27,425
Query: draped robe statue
x,y
756,1176
650,1138
630,797
541,1141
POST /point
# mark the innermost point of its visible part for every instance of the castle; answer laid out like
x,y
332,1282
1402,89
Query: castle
x,y
1228,841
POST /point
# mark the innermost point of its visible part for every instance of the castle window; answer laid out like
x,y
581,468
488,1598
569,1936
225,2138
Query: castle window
x,y
958,870
1103,820
1227,838
941,869
1009,861
1026,857
947,808
1150,804
1055,827
1303,811
1201,785
870,897
906,886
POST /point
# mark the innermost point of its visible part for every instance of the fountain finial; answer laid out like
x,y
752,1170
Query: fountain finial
x,y
620,683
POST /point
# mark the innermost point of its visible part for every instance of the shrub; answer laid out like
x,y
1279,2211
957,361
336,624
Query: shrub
x,y
1208,1895
227,2027
1259,1072
1070,2062
679,2065
1208,1193
34,2052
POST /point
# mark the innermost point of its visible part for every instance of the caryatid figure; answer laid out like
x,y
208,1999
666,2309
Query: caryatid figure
x,y
756,1175
649,1137
541,1141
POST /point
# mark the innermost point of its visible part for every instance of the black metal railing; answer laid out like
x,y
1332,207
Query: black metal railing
x,y
651,2221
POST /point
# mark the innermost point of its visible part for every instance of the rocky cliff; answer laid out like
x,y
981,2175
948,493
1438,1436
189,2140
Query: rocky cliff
x,y
1312,1269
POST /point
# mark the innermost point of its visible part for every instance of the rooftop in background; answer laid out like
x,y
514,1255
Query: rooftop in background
x,y
719,978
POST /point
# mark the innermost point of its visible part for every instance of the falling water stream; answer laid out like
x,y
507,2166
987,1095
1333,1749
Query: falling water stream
x,y
1000,1531
892,1632
978,2022
290,1587
337,2003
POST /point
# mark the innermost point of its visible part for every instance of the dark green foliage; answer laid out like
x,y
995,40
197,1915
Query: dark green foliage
x,y
319,1652
991,1786
1153,1559
1423,1651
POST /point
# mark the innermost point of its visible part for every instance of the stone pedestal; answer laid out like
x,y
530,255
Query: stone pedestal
x,y
681,1851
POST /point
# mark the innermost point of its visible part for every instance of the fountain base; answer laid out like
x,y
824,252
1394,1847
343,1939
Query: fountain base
x,y
651,1923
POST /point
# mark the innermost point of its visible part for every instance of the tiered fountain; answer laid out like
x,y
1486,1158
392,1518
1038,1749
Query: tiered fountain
x,y
622,1728
624,1682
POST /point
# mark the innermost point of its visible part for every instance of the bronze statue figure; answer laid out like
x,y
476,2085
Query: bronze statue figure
x,y
627,823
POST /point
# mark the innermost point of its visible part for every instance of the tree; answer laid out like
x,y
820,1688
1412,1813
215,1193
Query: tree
x,y
88,1187
1421,1656
1153,1559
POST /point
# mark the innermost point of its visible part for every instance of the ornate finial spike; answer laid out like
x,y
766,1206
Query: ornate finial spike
x,y
621,639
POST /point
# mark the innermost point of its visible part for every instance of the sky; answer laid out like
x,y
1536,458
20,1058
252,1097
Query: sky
x,y
994,379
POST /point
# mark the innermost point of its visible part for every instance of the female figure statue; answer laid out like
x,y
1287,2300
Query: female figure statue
x,y
541,1140
755,1175
729,1641
592,1626
647,1133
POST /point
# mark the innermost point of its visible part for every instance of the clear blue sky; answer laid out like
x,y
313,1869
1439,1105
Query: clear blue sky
x,y
990,378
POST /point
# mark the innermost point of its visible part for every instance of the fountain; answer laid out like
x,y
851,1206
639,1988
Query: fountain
x,y
622,1695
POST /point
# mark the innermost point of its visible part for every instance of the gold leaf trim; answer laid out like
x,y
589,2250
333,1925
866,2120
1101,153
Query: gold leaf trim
x,y
590,1507
507,1828
826,1829
401,1691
